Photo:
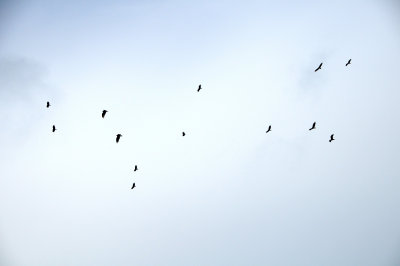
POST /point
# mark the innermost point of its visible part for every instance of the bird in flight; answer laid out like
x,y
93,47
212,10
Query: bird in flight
x,y
118,137
103,114
135,168
183,134
313,126
332,139
269,129
348,63
133,186
318,68
54,128
199,88
48,104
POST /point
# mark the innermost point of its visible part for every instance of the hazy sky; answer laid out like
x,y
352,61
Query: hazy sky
x,y
226,193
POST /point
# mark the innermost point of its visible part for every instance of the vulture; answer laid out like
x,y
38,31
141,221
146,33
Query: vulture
x,y
48,104
135,168
199,88
118,137
332,139
269,129
318,68
183,134
54,128
348,63
103,114
313,126
133,186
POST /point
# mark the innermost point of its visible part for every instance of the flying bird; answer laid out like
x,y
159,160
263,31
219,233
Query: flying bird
x,y
348,63
103,114
199,88
269,129
54,128
318,68
118,137
48,104
331,138
313,126
135,168
183,134
133,186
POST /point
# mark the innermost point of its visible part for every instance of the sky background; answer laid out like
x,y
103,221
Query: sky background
x,y
226,193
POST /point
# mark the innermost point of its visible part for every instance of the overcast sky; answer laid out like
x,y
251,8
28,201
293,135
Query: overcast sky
x,y
227,193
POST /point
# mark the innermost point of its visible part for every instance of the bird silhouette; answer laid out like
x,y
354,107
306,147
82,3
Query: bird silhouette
x,y
103,114
318,68
48,104
313,126
332,139
118,137
54,128
199,88
348,63
133,186
183,134
269,129
135,168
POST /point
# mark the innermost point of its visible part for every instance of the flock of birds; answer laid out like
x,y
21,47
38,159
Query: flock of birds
x,y
118,136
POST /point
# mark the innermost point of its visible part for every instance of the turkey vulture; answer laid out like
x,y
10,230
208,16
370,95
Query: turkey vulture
x,y
103,114
118,137
313,126
135,168
331,138
48,104
269,129
348,63
54,128
183,134
199,88
318,68
133,186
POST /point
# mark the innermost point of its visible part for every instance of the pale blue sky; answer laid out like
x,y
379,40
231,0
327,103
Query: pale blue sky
x,y
227,193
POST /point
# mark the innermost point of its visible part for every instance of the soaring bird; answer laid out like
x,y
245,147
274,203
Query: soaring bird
x,y
269,129
103,114
54,128
183,134
48,104
135,168
313,126
199,88
331,138
318,68
133,186
348,63
118,137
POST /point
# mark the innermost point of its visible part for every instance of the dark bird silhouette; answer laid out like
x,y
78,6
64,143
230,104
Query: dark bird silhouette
x,y
54,128
103,114
48,104
313,126
199,88
118,137
135,168
269,129
348,63
318,68
332,139
133,186
183,134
